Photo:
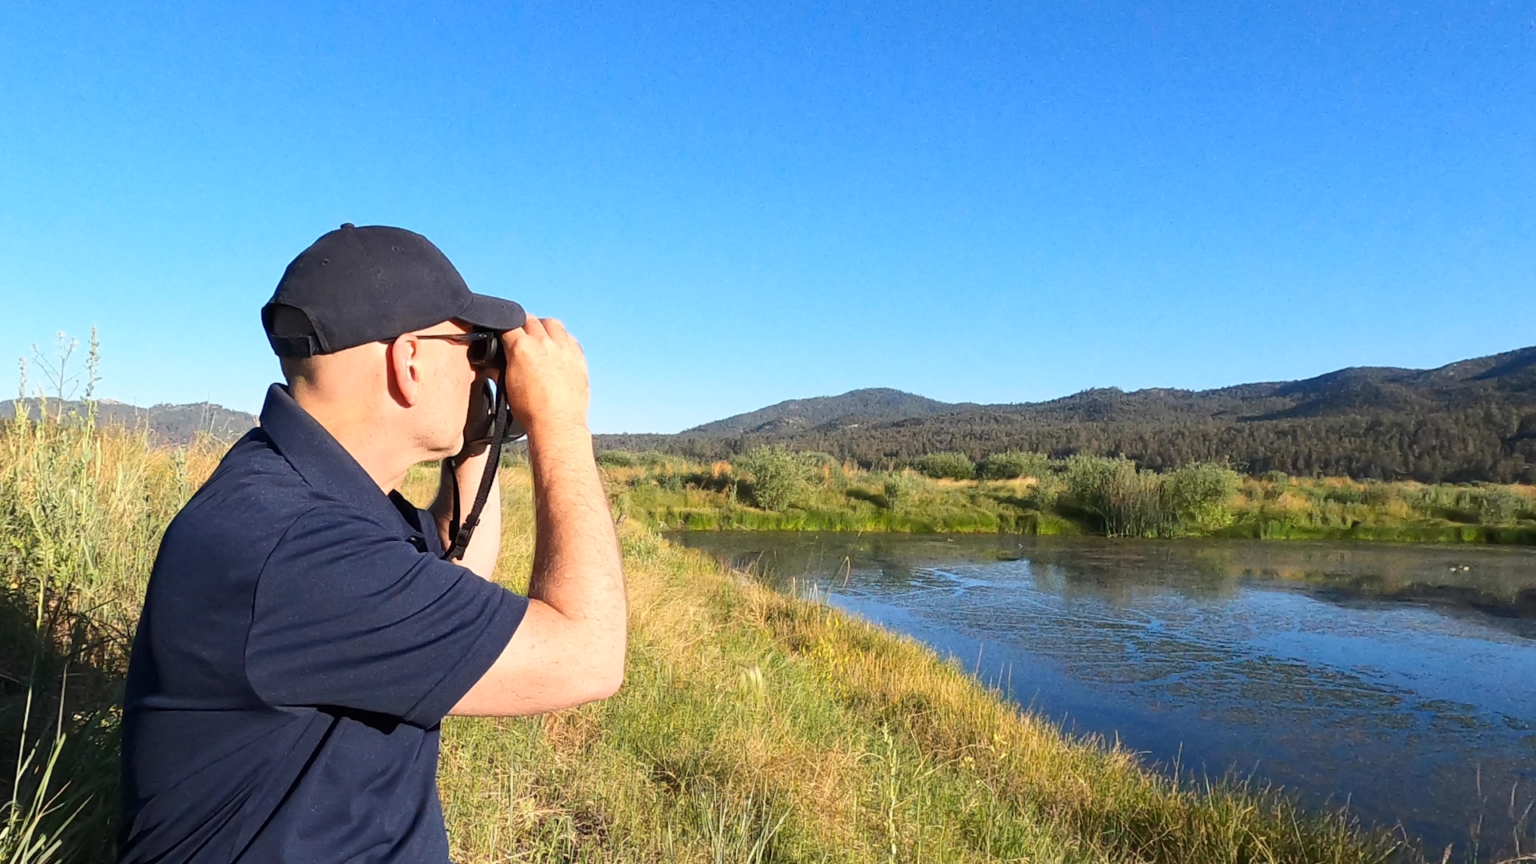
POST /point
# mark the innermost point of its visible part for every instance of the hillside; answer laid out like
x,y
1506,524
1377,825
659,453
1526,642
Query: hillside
x,y
167,424
871,405
1466,421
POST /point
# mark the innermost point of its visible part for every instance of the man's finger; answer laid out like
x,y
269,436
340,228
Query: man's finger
x,y
554,327
534,327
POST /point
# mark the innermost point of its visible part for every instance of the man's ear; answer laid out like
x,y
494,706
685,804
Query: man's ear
x,y
405,374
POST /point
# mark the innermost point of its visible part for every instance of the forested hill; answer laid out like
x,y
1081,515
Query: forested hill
x,y
1472,420
166,424
870,405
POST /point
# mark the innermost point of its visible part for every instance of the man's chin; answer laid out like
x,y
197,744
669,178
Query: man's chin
x,y
471,449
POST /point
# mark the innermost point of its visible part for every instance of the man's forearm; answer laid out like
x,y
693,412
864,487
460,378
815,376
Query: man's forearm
x,y
569,647
577,568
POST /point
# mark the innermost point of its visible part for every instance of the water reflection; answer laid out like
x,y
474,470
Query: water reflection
x,y
1399,679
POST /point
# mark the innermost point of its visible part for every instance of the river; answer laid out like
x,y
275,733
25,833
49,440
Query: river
x,y
1400,680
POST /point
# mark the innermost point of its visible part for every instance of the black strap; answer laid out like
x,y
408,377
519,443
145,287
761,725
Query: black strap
x,y
294,346
459,535
453,484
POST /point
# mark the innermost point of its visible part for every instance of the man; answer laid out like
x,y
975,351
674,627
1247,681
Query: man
x,y
302,637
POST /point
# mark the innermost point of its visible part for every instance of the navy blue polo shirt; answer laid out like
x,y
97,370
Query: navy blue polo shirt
x,y
300,643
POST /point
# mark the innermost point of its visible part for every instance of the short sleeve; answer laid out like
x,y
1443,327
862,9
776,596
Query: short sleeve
x,y
350,615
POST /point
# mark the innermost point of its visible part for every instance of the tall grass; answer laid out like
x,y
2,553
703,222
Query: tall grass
x,y
753,726
81,513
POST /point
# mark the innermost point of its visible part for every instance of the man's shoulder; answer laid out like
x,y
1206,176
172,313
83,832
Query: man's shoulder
x,y
255,496
251,498
253,477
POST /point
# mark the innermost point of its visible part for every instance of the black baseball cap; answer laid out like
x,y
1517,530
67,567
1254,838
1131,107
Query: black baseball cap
x,y
359,285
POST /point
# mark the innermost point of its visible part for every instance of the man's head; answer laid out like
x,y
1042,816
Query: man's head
x,y
358,322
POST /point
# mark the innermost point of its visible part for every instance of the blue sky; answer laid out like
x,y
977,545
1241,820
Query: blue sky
x,y
733,204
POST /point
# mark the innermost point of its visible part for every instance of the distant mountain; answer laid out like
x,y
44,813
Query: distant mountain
x,y
871,405
1470,420
167,424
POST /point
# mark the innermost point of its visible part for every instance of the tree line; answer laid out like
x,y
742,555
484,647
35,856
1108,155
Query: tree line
x,y
1493,442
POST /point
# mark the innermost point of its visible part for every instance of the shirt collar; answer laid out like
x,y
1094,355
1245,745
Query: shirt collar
x,y
324,463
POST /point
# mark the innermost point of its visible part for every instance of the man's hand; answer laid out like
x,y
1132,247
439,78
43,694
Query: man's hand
x,y
546,378
570,646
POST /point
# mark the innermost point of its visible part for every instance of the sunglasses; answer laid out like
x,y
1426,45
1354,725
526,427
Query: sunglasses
x,y
484,346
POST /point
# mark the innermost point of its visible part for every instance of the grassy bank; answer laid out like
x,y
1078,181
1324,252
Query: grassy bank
x,y
752,726
784,491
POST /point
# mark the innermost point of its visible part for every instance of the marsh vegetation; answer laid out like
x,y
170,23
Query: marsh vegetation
x,y
774,488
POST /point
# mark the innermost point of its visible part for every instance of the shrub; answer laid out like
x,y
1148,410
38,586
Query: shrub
x,y
818,459
1376,493
1200,494
616,459
779,476
655,460
1349,494
900,490
945,466
820,467
1436,500
1494,506
1013,465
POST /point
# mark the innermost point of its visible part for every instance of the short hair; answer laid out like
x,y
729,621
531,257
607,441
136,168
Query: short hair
x,y
295,368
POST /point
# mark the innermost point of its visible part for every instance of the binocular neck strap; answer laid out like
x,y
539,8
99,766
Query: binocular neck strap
x,y
459,535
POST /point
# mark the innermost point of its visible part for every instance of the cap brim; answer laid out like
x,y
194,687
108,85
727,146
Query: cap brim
x,y
493,313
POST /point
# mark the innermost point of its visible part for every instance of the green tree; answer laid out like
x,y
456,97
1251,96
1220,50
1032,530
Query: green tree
x,y
948,465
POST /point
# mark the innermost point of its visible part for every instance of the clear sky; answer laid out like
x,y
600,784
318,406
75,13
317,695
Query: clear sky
x,y
737,203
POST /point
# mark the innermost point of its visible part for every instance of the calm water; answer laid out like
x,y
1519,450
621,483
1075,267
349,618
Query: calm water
x,y
1399,679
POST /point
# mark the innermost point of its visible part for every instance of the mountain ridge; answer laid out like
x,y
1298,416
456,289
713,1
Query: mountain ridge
x,y
854,403
166,423
874,403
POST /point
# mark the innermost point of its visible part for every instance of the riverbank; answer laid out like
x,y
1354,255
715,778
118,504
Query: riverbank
x,y
1087,496
753,726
